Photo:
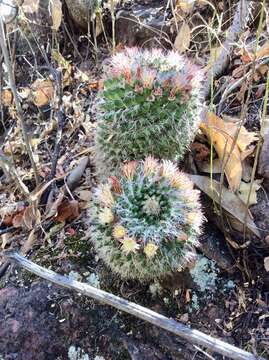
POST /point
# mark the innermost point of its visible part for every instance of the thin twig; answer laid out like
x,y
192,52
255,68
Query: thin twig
x,y
193,336
16,98
7,230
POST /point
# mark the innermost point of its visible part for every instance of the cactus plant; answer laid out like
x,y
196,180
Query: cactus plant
x,y
149,104
145,222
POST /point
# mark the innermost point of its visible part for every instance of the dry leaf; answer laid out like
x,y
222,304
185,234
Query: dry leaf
x,y
28,218
6,240
68,210
30,6
17,220
266,263
84,195
201,152
222,134
229,201
7,97
56,13
185,5
63,64
27,246
31,217
263,51
42,92
214,129
183,39
244,189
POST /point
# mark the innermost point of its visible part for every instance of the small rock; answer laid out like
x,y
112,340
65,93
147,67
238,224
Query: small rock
x,y
80,11
143,24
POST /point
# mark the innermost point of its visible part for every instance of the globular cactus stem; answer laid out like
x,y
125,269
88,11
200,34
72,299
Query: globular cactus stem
x,y
145,222
149,105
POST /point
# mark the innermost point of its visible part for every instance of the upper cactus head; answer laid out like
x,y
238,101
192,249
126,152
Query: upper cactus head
x,y
149,105
146,221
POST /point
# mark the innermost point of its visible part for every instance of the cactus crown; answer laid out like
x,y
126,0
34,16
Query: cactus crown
x,y
146,221
149,105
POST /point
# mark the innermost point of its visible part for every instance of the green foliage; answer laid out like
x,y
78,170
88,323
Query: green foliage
x,y
149,105
144,223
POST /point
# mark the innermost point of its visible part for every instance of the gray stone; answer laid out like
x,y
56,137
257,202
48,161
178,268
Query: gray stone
x,y
148,24
80,11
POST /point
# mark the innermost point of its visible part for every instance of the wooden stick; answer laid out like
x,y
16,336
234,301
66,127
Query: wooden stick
x,y
193,336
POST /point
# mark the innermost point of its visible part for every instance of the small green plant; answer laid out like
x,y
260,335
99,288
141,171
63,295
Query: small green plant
x,y
149,105
145,222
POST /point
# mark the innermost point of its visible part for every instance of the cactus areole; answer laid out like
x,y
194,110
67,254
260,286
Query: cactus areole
x,y
145,222
149,104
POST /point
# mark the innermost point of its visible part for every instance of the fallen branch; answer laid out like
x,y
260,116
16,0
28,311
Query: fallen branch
x,y
240,21
194,336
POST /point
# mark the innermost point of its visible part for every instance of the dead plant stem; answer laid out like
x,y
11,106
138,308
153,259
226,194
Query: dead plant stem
x,y
16,98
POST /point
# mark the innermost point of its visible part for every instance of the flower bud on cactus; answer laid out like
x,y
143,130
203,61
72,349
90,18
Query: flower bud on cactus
x,y
145,223
149,105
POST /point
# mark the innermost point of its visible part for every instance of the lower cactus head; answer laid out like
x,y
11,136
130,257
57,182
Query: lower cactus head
x,y
146,221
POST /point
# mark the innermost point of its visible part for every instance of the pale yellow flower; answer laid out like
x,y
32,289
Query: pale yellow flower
x,y
128,169
105,195
150,250
119,232
106,216
150,165
129,245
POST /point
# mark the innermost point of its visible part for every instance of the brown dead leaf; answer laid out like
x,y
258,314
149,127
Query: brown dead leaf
x,y
7,97
183,38
27,246
238,72
31,217
17,220
201,151
27,218
222,134
68,210
42,92
263,51
229,201
214,129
